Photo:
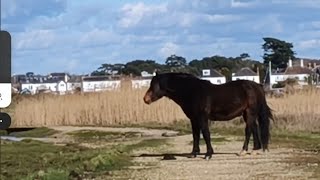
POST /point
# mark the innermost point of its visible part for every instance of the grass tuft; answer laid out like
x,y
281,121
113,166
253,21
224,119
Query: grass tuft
x,y
30,159
90,135
36,133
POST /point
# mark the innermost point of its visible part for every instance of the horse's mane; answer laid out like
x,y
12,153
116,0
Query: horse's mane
x,y
182,75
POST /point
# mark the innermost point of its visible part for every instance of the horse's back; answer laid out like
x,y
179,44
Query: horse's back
x,y
238,91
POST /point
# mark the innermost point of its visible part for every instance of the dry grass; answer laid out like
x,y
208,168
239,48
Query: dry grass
x,y
125,106
299,111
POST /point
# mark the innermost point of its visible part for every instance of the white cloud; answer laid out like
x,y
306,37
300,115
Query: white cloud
x,y
10,8
187,19
299,3
222,18
309,44
112,31
98,37
36,39
315,24
247,4
270,24
168,49
134,13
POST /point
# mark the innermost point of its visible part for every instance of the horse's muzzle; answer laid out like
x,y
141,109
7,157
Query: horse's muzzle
x,y
147,98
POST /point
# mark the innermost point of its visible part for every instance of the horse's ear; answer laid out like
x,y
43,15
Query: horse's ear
x,y
156,72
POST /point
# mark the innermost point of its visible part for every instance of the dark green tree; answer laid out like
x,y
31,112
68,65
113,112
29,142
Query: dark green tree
x,y
137,66
226,72
102,70
278,52
244,56
174,63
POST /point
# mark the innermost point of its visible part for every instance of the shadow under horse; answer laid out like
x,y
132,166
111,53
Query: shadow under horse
x,y
202,101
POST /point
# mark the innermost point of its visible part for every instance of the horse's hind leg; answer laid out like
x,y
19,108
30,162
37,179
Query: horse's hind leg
x,y
256,138
251,128
246,141
206,135
250,120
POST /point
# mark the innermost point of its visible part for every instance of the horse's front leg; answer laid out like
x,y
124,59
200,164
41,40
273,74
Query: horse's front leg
x,y
196,137
206,135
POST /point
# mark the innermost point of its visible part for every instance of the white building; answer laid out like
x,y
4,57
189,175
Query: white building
x,y
300,72
50,84
141,83
59,87
99,83
213,76
72,86
62,87
35,87
246,74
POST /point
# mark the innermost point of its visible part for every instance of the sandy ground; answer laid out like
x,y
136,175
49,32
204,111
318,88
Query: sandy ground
x,y
225,164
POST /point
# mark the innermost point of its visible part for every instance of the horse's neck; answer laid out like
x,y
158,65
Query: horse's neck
x,y
181,94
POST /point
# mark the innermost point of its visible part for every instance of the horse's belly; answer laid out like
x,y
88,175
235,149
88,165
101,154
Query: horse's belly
x,y
224,115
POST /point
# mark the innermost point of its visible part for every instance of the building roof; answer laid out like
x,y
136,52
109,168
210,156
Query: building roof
x,y
298,70
59,74
40,79
35,81
245,72
75,79
99,78
212,73
306,61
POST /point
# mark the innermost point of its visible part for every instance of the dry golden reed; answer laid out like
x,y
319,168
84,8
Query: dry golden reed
x,y
124,106
299,111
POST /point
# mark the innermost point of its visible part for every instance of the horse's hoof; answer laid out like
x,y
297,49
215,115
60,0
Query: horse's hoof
x,y
255,152
193,155
243,153
208,158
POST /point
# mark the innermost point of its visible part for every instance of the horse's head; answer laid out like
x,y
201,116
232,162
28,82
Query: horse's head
x,y
169,85
157,89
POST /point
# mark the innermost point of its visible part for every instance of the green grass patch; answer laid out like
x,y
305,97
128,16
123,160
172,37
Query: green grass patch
x,y
150,143
3,133
183,126
89,135
214,140
31,159
36,133
301,140
227,131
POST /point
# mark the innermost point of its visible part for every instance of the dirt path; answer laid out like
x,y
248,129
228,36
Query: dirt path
x,y
146,132
225,164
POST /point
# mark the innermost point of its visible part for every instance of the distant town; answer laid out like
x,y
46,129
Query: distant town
x,y
64,83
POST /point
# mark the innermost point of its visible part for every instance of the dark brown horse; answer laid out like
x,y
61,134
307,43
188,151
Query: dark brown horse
x,y
202,101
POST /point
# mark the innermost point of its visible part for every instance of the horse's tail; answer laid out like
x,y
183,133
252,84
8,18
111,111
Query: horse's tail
x,y
264,116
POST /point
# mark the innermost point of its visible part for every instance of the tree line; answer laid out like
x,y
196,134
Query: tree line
x,y
275,50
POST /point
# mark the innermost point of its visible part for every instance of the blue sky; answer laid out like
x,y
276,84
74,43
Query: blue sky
x,y
77,36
